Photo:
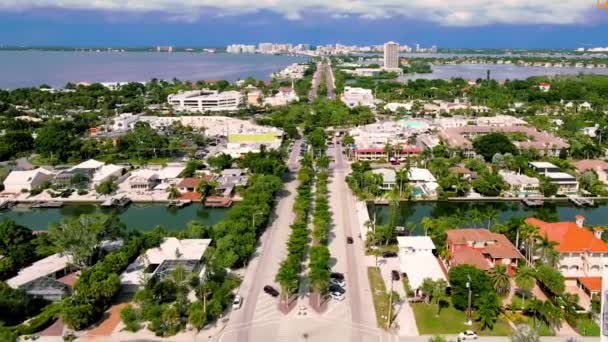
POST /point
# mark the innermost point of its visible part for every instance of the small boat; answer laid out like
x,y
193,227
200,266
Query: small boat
x,y
533,202
116,201
49,204
178,203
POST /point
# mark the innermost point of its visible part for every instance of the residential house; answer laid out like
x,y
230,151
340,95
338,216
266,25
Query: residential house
x,y
480,248
107,172
463,172
566,183
417,260
160,261
544,87
423,180
600,167
86,170
143,179
44,278
389,178
520,185
17,181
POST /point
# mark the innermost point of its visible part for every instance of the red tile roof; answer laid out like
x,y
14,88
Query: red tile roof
x,y
569,236
469,256
69,279
189,182
500,248
593,284
590,164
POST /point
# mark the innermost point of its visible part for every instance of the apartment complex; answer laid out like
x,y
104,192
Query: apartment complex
x,y
391,55
206,100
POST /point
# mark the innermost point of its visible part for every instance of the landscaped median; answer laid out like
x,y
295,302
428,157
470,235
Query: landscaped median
x,y
380,297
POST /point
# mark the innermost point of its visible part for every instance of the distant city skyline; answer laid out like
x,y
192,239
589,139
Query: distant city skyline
x,y
476,24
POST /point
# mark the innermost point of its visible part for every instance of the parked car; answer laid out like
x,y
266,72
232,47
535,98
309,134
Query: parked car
x,y
236,302
349,240
271,291
336,275
339,282
395,275
389,255
336,288
337,296
467,335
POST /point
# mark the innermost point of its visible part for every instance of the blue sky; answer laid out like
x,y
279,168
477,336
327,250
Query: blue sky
x,y
468,23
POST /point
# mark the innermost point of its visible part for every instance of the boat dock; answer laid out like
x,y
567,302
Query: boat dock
x,y
533,202
581,201
116,201
50,204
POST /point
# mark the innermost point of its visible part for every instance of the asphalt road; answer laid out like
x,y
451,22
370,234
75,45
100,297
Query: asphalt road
x,y
329,78
264,265
316,80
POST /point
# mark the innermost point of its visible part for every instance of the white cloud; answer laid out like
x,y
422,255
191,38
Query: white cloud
x,y
443,12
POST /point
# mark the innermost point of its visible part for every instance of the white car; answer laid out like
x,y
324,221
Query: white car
x,y
467,335
236,303
338,282
337,296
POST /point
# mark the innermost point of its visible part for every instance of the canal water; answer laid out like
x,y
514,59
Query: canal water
x,y
135,216
413,212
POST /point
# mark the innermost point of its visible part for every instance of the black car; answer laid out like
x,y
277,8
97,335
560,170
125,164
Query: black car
x,y
336,275
389,255
336,288
349,240
395,275
271,291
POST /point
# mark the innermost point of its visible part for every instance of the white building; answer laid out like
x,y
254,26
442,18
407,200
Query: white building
x,y
395,106
124,122
391,55
206,100
418,262
353,97
107,172
285,96
389,178
160,261
40,279
423,180
16,181
520,184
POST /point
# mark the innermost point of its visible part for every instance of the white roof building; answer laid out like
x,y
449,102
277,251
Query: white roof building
x,y
353,97
41,268
159,261
418,175
206,100
106,172
417,260
28,180
395,106
520,183
282,98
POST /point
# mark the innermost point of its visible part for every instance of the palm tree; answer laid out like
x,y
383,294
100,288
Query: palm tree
x,y
402,180
528,234
500,280
427,224
173,192
439,295
476,217
546,249
427,287
491,215
545,312
524,279
487,313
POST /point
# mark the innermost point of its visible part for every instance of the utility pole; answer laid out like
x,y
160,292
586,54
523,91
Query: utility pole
x,y
469,321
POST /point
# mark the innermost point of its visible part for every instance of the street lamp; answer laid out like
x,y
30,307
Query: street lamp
x,y
469,321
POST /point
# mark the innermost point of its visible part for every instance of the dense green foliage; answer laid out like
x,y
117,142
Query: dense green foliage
x,y
494,143
16,305
19,247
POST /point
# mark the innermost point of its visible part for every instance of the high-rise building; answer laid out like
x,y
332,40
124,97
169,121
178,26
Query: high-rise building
x,y
417,47
391,55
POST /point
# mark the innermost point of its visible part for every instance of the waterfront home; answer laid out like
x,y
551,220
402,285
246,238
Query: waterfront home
x,y
143,179
520,185
417,261
600,168
46,278
188,184
160,261
582,252
583,255
389,178
18,181
463,172
480,248
423,180
86,170
566,183
107,172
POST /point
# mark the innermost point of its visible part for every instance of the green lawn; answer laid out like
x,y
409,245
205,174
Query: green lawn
x,y
379,295
451,321
587,327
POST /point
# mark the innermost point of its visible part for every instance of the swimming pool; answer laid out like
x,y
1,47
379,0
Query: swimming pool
x,y
418,191
413,124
